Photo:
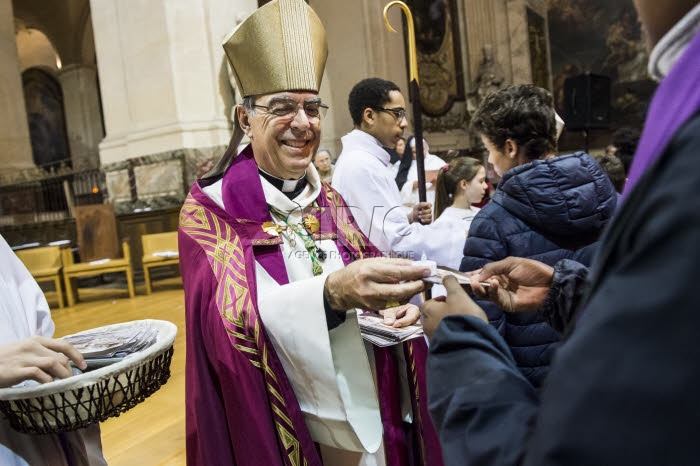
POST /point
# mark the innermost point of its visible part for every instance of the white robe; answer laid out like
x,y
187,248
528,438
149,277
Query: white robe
x,y
457,217
24,312
409,196
330,371
454,219
365,180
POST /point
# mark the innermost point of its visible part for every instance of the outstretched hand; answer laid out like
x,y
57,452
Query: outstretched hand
x,y
37,358
374,283
456,302
515,284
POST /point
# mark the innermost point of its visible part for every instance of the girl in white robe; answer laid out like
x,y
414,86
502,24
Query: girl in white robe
x,y
459,185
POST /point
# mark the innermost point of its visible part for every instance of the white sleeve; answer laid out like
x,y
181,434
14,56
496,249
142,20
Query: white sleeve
x,y
409,196
23,308
376,206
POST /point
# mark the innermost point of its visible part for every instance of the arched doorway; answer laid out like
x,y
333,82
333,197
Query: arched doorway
x,y
47,125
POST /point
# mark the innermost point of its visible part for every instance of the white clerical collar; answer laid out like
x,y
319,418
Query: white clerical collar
x,y
358,139
672,45
282,203
286,186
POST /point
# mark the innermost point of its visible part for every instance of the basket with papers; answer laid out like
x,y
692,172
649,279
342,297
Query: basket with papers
x,y
376,332
133,362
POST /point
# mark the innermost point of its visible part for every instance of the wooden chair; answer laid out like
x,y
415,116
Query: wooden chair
x,y
159,249
44,264
98,247
72,271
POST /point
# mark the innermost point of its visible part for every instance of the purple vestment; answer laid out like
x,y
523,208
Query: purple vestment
x,y
241,408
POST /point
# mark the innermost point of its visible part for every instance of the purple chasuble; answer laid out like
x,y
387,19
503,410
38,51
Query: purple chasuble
x,y
676,99
267,412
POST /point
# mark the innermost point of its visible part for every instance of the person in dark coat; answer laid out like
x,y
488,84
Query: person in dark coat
x,y
545,207
621,387
404,165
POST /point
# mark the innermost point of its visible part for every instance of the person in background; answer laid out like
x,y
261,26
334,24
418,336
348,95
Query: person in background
x,y
432,163
624,142
27,352
364,179
459,184
612,166
324,167
618,389
396,154
402,167
545,206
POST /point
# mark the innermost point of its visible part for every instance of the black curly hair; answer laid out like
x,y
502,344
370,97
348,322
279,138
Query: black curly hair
x,y
523,113
369,93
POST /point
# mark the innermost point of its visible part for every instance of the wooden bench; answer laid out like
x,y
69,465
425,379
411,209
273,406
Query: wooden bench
x,y
44,264
71,270
159,249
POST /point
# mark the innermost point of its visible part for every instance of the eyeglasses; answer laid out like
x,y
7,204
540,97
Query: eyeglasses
x,y
289,109
399,113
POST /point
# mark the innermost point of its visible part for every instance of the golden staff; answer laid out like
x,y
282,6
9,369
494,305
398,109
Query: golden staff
x,y
414,92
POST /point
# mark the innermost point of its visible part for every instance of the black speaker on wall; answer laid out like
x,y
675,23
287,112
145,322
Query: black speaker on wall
x,y
587,101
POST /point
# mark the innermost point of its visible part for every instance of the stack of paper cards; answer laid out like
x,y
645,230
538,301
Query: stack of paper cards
x,y
376,332
100,348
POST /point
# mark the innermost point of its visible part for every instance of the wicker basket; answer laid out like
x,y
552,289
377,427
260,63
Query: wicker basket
x,y
78,401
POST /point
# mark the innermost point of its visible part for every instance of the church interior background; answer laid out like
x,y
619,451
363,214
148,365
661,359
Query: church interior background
x,y
127,103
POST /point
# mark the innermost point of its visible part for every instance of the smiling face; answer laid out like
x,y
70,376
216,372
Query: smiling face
x,y
476,188
282,145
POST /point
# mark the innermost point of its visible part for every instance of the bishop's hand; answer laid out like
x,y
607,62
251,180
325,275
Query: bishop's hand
x,y
373,283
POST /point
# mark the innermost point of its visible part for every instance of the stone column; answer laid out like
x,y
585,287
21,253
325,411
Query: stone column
x,y
15,144
166,96
359,46
83,118
160,63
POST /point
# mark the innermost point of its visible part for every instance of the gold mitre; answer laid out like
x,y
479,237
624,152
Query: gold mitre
x,y
280,47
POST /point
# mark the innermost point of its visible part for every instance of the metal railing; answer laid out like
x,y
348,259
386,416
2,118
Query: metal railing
x,y
49,196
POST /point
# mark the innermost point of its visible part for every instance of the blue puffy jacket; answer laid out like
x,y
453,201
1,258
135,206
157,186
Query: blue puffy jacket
x,y
546,210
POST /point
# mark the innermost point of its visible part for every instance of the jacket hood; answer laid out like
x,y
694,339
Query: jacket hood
x,y
568,198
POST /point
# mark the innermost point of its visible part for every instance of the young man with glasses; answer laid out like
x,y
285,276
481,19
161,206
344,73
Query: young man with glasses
x,y
277,372
365,179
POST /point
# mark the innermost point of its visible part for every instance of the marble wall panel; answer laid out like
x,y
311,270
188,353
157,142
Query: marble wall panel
x,y
118,185
159,179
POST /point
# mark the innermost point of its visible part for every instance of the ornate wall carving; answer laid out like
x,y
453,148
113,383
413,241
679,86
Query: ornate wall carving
x,y
439,60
